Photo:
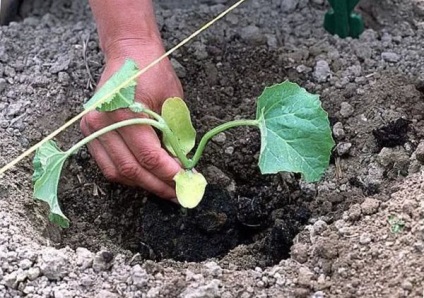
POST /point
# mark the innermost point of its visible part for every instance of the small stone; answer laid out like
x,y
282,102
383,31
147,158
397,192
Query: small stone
x,y
419,246
321,284
199,50
11,280
370,206
409,206
319,294
322,71
406,285
62,293
153,292
210,290
271,41
232,19
362,50
390,57
9,71
346,110
34,273
419,152
393,157
301,293
303,69
288,5
253,35
220,138
354,212
139,276
62,63
84,257
418,7
86,280
53,263
106,294
419,85
304,277
319,227
14,109
364,239
326,249
369,35
2,84
217,176
25,264
299,252
179,69
338,131
102,261
229,150
63,78
29,290
343,148
213,269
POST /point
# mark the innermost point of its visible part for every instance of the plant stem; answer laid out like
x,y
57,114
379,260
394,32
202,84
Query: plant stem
x,y
213,132
139,121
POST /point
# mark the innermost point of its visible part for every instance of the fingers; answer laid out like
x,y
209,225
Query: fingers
x,y
146,148
117,161
106,164
128,167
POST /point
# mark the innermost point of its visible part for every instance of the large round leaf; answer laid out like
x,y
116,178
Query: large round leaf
x,y
295,132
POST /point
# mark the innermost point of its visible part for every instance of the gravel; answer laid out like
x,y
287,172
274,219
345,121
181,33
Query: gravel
x,y
328,257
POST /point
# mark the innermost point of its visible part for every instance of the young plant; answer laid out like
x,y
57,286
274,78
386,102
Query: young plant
x,y
295,137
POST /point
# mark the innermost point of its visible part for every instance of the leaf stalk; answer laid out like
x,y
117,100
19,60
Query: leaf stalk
x,y
213,132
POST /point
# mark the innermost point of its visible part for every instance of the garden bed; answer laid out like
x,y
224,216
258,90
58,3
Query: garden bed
x,y
357,233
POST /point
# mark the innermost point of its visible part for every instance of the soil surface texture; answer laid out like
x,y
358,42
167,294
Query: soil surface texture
x,y
359,232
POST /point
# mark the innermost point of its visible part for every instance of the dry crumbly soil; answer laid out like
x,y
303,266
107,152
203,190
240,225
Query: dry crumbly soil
x,y
357,233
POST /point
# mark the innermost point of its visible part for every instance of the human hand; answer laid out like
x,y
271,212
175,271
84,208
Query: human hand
x,y
133,155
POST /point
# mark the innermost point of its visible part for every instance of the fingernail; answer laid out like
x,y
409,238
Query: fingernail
x,y
174,200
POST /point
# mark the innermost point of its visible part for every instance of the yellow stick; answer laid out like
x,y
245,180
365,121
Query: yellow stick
x,y
153,63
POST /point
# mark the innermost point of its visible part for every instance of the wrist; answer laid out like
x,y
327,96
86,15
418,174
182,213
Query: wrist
x,y
125,25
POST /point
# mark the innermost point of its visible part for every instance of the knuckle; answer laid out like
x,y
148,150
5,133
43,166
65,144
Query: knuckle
x,y
84,128
150,159
111,174
121,115
93,121
148,100
129,170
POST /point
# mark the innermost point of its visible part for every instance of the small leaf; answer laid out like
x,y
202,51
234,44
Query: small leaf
x,y
115,93
190,188
137,107
295,132
48,163
177,115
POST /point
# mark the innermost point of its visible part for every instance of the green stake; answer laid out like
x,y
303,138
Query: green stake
x,y
341,19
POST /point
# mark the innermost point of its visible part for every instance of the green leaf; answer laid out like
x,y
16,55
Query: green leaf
x,y
396,224
48,163
177,115
295,132
190,188
116,93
